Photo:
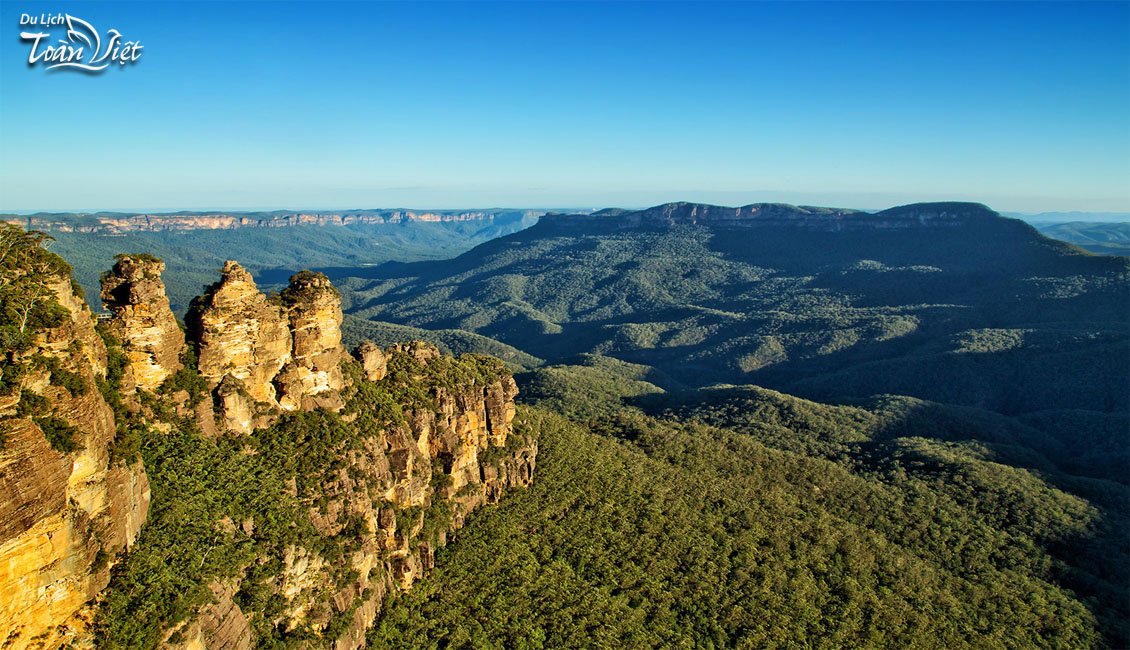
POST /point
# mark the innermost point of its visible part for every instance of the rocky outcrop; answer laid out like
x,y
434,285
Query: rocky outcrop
x,y
66,511
240,333
142,319
373,360
262,355
410,486
390,499
418,442
221,625
312,377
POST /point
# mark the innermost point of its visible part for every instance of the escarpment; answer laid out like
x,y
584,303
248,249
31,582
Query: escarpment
x,y
293,485
70,503
109,222
778,216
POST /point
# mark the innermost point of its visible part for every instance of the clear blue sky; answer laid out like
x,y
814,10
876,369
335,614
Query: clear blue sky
x,y
1025,107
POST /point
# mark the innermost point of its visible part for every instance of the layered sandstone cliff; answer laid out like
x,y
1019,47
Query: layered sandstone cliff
x,y
241,334
312,377
67,509
142,320
262,354
411,442
107,222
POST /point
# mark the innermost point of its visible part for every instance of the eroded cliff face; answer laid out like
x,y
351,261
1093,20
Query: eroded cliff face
x,y
67,510
312,377
262,355
240,333
354,471
390,499
142,320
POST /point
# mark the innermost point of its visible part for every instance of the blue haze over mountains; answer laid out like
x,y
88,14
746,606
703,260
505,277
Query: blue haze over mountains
x,y
955,361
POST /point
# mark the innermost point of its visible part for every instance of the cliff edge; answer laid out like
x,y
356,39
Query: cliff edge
x,y
267,483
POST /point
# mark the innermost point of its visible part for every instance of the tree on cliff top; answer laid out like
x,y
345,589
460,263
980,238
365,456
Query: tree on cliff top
x,y
27,303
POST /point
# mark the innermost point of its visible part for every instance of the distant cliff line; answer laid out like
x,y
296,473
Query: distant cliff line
x,y
951,214
123,222
918,215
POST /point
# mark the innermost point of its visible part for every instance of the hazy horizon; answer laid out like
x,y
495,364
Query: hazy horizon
x,y
1097,215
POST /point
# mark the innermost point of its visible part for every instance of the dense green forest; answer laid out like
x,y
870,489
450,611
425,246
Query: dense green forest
x,y
356,330
964,483
644,532
881,434
988,313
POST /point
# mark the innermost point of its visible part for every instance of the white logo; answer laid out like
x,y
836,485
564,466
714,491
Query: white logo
x,y
83,48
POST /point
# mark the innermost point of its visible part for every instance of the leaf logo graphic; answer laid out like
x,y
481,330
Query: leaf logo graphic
x,y
83,48
75,35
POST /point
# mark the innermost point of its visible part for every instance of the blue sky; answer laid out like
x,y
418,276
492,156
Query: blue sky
x,y
1025,107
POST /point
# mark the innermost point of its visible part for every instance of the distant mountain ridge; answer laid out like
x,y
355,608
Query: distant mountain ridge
x,y
819,302
122,222
1103,238
194,244
939,215
1074,215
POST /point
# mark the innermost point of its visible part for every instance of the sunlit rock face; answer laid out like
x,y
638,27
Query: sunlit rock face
x,y
373,360
142,319
313,375
64,517
268,354
241,333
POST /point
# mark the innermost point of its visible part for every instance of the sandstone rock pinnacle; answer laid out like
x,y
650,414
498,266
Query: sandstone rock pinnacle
x,y
142,320
373,360
267,354
313,376
239,332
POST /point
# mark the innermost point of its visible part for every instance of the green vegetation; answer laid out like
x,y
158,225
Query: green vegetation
x,y
827,315
61,435
187,379
453,342
60,376
667,534
28,306
966,485
27,302
593,386
204,490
